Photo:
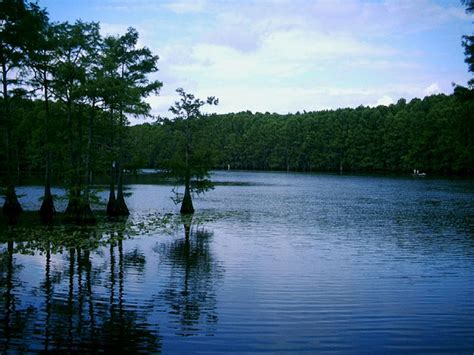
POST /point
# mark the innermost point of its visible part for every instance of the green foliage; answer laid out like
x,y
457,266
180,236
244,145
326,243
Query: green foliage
x,y
123,74
87,85
189,156
21,22
433,135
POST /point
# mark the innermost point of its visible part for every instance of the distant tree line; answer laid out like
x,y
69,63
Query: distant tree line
x,y
433,135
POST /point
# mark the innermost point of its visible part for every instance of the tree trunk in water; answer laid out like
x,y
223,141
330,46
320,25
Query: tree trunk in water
x,y
112,201
78,211
74,192
72,209
86,215
47,209
11,206
187,205
121,208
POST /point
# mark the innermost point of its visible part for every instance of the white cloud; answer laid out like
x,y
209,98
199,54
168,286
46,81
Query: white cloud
x,y
286,56
282,55
284,99
432,89
384,100
112,29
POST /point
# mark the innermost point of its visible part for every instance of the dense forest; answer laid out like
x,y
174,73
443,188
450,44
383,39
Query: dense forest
x,y
433,135
68,93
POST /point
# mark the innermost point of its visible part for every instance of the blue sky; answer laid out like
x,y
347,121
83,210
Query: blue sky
x,y
290,55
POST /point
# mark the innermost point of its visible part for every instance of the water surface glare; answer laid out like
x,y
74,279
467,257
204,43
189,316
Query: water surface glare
x,y
273,262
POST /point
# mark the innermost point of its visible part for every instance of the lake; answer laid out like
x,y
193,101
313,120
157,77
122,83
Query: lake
x,y
272,262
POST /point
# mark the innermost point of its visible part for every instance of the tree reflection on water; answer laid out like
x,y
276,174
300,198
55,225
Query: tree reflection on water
x,y
191,293
79,300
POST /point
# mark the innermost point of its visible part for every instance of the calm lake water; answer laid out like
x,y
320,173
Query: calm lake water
x,y
274,262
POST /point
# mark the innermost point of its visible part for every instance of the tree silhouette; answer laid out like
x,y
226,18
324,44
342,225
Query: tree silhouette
x,y
189,160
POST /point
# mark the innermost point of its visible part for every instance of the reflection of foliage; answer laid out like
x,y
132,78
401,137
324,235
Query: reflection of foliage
x,y
191,292
123,332
73,318
135,259
80,321
82,304
14,320
32,236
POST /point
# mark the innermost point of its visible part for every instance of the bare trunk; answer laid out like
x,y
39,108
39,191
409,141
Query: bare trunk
x,y
74,193
187,205
47,209
112,200
11,206
77,210
85,215
121,208
88,172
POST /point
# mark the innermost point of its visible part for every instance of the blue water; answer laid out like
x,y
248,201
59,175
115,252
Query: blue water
x,y
273,262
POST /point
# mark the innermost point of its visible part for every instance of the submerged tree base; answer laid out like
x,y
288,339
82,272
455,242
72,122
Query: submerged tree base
x,y
11,207
116,207
79,213
120,208
187,205
47,210
111,204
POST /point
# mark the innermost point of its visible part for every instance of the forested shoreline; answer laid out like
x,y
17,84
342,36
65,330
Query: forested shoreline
x,y
433,135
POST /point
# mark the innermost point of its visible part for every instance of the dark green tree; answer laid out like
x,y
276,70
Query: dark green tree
x,y
20,22
77,49
189,160
41,60
125,70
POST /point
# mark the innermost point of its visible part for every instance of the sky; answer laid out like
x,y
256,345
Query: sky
x,y
290,55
